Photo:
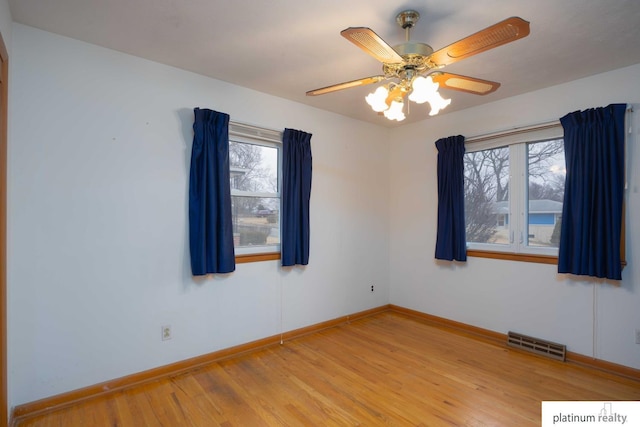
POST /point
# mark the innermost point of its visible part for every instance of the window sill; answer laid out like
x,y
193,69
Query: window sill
x,y
270,256
540,259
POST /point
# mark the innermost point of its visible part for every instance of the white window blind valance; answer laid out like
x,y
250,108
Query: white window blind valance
x,y
540,132
243,132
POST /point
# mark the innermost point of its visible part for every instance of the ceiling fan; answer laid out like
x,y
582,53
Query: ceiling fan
x,y
413,67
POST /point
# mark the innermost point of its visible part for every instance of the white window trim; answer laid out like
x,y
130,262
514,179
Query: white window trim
x,y
516,140
249,134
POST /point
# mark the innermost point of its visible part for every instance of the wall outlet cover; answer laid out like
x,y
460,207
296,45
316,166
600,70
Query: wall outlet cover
x,y
166,332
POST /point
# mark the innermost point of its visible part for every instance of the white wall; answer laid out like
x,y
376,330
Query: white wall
x,y
5,30
98,251
593,317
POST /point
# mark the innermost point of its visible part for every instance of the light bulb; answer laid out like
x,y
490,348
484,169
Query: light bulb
x,y
377,99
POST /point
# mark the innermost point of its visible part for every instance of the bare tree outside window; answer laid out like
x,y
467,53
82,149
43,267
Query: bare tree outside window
x,y
486,182
546,170
258,165
487,193
254,188
546,176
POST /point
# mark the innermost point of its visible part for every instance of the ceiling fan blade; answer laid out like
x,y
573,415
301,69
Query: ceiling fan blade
x,y
464,83
371,43
346,85
503,32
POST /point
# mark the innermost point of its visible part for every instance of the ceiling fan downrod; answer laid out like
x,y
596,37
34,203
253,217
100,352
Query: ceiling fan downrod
x,y
407,19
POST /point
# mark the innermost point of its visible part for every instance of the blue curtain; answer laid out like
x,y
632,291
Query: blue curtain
x,y
210,226
451,240
593,194
296,192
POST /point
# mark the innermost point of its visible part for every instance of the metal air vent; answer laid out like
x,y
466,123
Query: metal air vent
x,y
538,346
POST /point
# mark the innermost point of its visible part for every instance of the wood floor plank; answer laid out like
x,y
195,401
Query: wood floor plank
x,y
386,369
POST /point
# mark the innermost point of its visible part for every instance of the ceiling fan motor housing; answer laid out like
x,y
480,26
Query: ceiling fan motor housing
x,y
415,57
414,54
413,49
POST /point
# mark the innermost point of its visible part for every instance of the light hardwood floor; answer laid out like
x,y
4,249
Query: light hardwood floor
x,y
386,369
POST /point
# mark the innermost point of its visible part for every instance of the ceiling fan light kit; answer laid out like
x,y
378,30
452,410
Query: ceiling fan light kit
x,y
413,67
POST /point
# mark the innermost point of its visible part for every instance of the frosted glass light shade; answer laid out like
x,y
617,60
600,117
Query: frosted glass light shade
x,y
426,90
437,103
395,111
377,99
423,89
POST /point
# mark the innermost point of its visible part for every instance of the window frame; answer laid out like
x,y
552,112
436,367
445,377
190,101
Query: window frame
x,y
249,134
516,140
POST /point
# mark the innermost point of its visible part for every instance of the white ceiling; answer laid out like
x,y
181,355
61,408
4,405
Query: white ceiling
x,y
287,47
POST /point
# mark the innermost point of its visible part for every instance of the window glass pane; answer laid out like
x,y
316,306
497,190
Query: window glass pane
x,y
256,221
253,167
486,196
546,174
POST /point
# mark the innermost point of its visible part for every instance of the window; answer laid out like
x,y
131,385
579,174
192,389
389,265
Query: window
x,y
514,188
545,177
254,160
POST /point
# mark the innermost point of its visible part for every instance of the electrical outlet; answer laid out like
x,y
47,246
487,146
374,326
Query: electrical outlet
x,y
166,332
372,289
637,336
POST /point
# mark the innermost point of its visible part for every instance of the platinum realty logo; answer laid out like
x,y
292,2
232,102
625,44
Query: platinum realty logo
x,y
590,413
